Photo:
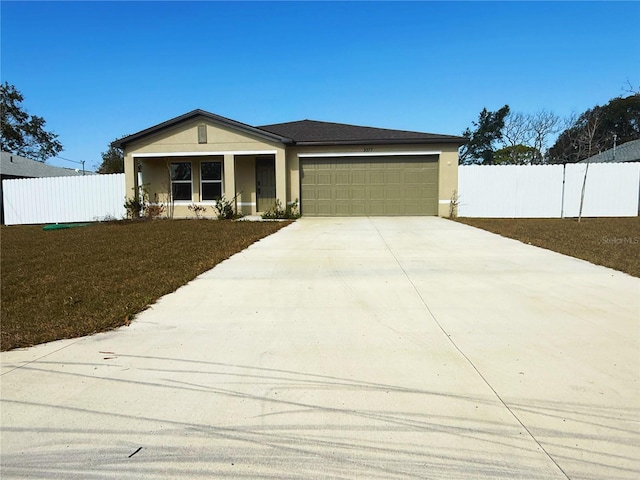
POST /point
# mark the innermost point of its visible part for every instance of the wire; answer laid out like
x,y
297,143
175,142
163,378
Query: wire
x,y
69,160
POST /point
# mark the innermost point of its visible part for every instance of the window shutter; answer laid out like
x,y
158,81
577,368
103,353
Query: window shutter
x,y
202,134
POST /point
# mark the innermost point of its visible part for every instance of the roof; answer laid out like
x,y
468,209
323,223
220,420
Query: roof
x,y
217,119
627,152
306,132
313,132
17,166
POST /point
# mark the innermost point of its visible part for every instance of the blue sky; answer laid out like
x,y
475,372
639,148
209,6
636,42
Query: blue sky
x,y
100,70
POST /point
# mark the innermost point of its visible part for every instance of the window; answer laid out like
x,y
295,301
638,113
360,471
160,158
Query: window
x,y
181,181
211,178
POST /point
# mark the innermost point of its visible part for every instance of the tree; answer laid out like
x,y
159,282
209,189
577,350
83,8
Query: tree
x,y
542,125
24,134
516,155
482,140
112,161
525,137
585,143
579,139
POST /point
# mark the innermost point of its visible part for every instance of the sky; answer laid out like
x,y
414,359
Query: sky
x,y
97,71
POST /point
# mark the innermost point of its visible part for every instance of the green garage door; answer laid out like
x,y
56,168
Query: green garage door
x,y
360,186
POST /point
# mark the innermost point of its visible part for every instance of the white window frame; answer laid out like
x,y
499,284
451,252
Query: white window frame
x,y
221,181
190,182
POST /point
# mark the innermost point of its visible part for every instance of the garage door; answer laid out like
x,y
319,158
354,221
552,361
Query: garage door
x,y
360,186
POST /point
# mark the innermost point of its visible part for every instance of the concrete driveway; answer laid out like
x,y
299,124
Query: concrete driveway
x,y
372,348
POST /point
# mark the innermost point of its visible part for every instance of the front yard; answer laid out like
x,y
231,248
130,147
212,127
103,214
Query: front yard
x,y
611,242
74,282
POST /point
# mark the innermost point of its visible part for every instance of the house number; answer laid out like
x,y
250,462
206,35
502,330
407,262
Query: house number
x,y
367,149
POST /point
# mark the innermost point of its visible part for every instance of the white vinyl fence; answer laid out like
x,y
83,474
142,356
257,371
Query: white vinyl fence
x,y
548,191
508,191
63,199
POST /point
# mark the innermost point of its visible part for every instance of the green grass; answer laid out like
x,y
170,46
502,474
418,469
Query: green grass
x,y
69,283
611,242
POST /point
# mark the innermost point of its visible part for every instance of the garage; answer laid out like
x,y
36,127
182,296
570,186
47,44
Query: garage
x,y
369,185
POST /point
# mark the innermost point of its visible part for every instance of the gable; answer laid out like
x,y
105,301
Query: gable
x,y
198,134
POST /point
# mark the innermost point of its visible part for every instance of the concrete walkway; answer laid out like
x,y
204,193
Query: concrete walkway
x,y
374,348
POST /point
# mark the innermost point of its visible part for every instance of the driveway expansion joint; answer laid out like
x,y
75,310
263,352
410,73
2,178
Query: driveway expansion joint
x,y
468,360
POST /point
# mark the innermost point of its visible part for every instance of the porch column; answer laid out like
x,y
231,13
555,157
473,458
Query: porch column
x,y
229,177
281,177
130,176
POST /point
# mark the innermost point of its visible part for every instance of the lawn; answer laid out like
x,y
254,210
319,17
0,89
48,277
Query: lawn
x,y
612,242
79,281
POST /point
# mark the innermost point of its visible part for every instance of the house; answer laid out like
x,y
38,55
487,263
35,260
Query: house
x,y
14,166
332,169
627,152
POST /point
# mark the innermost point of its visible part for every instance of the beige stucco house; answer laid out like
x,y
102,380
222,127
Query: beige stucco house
x,y
332,169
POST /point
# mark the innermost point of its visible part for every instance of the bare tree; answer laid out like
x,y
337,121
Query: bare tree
x,y
585,144
542,125
528,133
516,132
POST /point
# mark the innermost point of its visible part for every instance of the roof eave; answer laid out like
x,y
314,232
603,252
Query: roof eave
x,y
422,141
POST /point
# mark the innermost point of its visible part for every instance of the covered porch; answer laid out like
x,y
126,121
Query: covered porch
x,y
250,180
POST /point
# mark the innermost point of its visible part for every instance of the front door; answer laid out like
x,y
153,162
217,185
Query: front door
x,y
265,183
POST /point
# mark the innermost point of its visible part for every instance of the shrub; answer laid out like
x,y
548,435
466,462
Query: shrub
x,y
154,210
134,206
197,209
224,209
277,212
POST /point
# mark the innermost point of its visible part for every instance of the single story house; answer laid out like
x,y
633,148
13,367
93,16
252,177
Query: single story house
x,y
627,152
332,169
15,166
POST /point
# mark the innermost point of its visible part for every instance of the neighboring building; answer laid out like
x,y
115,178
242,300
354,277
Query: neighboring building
x,y
14,166
333,169
627,152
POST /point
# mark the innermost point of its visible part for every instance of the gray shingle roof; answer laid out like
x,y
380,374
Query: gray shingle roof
x,y
627,152
313,132
17,166
307,132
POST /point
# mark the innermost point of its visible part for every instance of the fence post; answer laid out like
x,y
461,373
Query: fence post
x,y
564,178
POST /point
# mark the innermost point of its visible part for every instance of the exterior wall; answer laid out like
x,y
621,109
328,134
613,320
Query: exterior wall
x,y
246,184
447,178
180,143
447,165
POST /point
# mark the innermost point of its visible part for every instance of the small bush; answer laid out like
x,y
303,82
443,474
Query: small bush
x,y
197,210
134,206
224,209
154,211
277,212
453,205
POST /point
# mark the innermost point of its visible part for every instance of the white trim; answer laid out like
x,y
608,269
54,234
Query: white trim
x,y
444,202
221,181
369,154
246,204
204,154
190,182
